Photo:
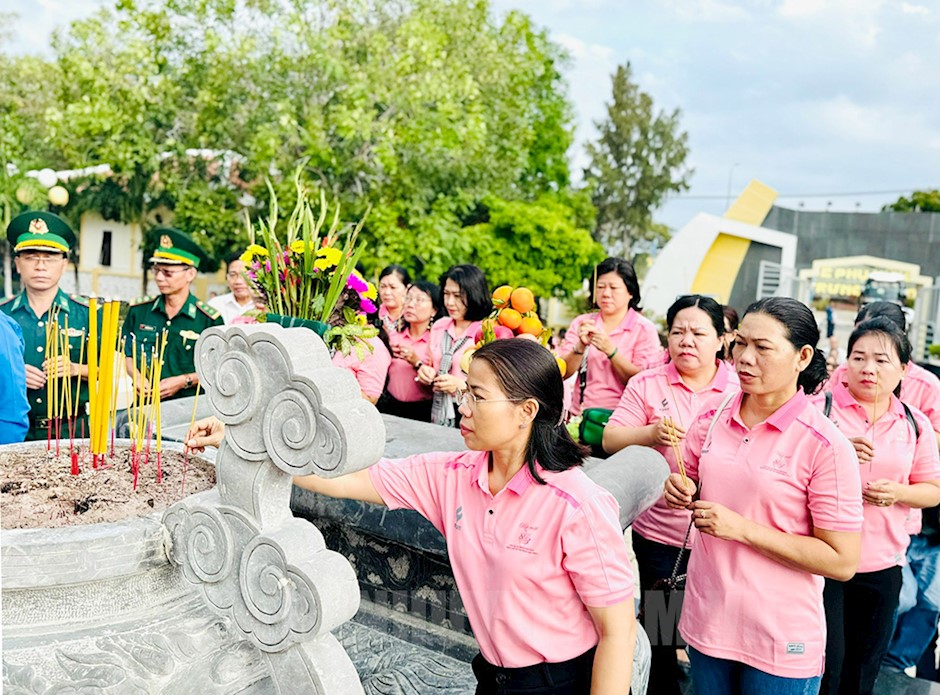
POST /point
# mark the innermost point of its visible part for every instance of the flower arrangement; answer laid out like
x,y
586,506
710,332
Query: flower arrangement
x,y
310,277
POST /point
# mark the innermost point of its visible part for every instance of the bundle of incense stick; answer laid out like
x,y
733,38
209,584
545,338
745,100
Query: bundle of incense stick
x,y
677,450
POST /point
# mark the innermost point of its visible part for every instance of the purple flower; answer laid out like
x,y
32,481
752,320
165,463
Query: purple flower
x,y
252,275
267,266
357,283
367,306
256,265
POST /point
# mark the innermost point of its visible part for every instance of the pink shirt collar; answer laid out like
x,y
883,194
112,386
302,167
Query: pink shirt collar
x,y
782,417
719,382
629,321
519,483
844,399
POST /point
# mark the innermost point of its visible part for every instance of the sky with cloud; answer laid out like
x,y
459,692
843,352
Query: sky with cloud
x,y
827,101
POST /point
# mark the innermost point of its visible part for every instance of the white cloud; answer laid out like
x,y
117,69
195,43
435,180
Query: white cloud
x,y
907,8
707,10
859,20
842,118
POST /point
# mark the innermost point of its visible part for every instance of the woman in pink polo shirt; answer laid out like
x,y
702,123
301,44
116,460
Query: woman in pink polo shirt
x,y
370,369
405,396
393,284
467,301
603,349
775,493
535,545
919,389
695,378
900,469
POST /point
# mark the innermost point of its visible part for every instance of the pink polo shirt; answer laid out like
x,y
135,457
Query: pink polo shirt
x,y
401,375
528,560
371,370
388,323
898,457
793,472
919,389
437,338
635,337
659,393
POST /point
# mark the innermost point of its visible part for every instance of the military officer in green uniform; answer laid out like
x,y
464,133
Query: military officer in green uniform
x,y
41,242
174,264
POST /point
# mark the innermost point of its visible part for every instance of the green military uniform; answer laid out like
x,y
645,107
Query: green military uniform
x,y
146,321
34,333
147,317
46,232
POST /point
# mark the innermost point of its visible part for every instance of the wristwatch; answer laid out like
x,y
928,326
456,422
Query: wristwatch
x,y
189,380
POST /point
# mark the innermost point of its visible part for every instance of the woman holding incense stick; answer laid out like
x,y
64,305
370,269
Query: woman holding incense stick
x,y
656,407
900,469
775,493
604,349
535,545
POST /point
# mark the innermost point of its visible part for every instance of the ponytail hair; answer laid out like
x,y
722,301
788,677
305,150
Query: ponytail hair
x,y
801,330
527,370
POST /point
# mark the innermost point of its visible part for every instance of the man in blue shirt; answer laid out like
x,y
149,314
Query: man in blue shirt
x,y
14,408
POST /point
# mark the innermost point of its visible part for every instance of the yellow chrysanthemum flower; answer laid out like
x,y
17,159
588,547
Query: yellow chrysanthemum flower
x,y
327,258
251,252
371,293
298,246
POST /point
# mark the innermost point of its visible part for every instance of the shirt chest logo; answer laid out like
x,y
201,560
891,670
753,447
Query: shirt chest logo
x,y
524,538
779,463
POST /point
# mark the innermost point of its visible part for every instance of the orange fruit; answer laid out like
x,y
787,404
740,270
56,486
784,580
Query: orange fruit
x,y
501,295
531,325
522,300
510,318
562,367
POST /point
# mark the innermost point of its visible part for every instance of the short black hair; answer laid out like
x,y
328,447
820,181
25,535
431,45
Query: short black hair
x,y
625,270
400,271
231,258
706,304
434,292
474,290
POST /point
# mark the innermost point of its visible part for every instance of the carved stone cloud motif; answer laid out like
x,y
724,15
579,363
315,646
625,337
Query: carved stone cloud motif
x,y
288,411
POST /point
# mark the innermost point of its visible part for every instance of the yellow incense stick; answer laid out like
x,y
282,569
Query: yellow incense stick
x,y
677,450
92,367
78,382
159,433
67,373
121,380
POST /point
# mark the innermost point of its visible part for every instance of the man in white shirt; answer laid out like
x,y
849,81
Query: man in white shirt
x,y
240,299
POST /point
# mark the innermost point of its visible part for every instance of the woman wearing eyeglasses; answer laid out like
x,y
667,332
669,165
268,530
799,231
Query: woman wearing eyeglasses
x,y
535,545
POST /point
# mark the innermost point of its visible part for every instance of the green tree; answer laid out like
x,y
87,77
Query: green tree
x,y
638,159
418,111
919,201
544,244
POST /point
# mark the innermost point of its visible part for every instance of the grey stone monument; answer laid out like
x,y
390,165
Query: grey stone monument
x,y
288,411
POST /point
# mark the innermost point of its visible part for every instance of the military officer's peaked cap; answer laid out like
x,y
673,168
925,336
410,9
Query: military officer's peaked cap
x,y
175,247
40,231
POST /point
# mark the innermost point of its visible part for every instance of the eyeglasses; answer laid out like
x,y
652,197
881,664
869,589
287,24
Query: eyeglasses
x,y
417,299
467,396
232,275
36,258
159,270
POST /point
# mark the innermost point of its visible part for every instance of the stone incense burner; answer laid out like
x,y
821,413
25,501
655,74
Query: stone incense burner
x,y
225,591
